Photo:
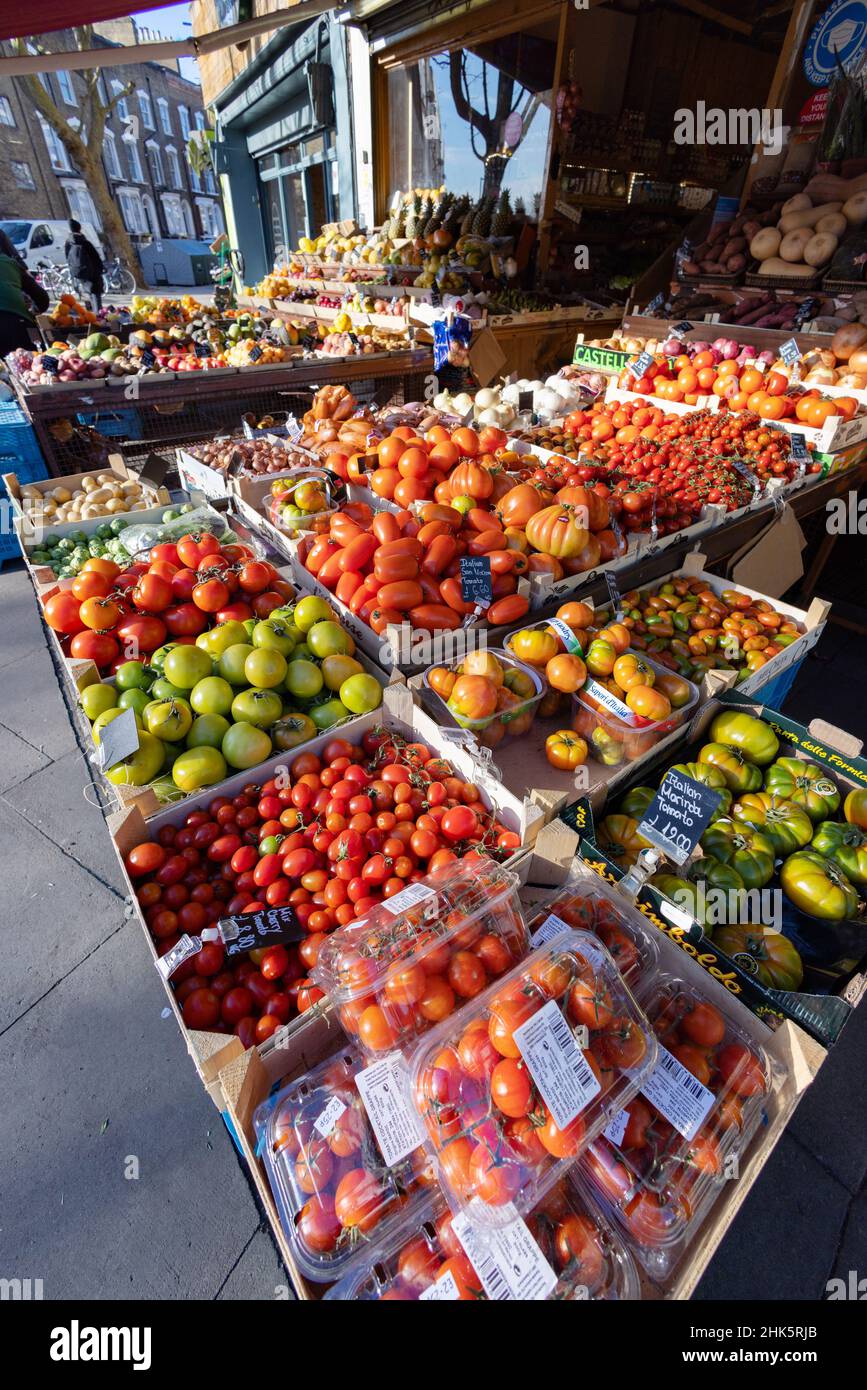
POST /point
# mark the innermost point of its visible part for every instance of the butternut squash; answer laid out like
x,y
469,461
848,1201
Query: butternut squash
x,y
765,243
775,265
800,203
833,222
794,221
820,248
855,209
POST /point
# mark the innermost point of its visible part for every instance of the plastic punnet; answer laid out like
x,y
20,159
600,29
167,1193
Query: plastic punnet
x,y
339,1189
662,1162
418,956
287,487
513,1088
585,902
613,732
512,719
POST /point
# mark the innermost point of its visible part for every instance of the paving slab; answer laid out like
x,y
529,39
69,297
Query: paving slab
x,y
258,1274
32,705
834,1107
101,1089
850,1265
59,800
783,1242
55,913
23,631
18,759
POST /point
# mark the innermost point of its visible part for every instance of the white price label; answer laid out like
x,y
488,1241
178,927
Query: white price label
x,y
610,702
384,1089
616,1127
408,897
329,1117
678,1095
566,635
552,926
556,1064
443,1290
507,1260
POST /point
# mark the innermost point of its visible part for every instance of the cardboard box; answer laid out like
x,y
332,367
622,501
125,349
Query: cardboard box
x,y
115,466
823,1016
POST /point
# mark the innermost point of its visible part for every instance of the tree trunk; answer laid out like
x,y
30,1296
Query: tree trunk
x,y
116,233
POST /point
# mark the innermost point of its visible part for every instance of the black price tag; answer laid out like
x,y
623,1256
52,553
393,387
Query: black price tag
x,y
678,815
790,352
476,580
153,470
800,451
202,349
50,364
236,463
117,740
683,327
525,400
147,357
251,931
255,353
222,297
436,298
614,595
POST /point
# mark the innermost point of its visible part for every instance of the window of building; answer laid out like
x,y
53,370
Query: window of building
x,y
112,159
147,112
132,211
212,221
165,115
81,205
57,151
184,118
195,179
122,107
135,169
67,89
174,215
299,192
100,90
200,121
156,162
43,76
6,116
174,167
209,182
22,173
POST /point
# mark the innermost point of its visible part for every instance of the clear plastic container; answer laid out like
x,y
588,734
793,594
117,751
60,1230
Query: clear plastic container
x,y
586,902
417,957
512,1090
518,696
614,733
663,1161
336,1194
291,484
565,1251
566,638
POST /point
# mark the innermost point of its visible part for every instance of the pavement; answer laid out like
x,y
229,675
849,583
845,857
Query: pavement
x,y
119,1179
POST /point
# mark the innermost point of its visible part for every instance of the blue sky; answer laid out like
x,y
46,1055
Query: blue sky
x,y
174,22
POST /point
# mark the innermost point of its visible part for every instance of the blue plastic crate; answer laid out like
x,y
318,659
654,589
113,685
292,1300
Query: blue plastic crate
x,y
775,693
114,424
19,448
9,547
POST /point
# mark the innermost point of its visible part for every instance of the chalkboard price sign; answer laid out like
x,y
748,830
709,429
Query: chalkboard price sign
x,y
476,580
251,931
678,815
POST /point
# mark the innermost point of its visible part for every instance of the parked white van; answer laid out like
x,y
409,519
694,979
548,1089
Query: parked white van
x,y
38,240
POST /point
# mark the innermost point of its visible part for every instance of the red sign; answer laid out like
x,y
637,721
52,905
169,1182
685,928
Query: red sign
x,y
815,109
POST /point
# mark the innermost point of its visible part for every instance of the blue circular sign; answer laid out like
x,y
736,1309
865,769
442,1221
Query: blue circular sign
x,y
838,38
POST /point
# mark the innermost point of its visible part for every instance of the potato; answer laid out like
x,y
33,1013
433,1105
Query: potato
x,y
792,245
833,222
766,243
855,209
820,248
89,485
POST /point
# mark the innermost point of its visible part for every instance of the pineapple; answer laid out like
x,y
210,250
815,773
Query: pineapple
x,y
502,219
411,226
469,218
425,214
482,220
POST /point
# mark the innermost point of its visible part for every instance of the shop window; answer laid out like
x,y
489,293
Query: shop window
x,y
476,120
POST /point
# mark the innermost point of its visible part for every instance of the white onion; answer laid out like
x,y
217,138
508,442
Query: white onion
x,y
486,397
491,416
462,403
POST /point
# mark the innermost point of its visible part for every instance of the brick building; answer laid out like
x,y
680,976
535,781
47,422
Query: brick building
x,y
144,153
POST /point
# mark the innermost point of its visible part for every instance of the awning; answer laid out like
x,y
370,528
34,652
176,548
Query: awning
x,y
17,21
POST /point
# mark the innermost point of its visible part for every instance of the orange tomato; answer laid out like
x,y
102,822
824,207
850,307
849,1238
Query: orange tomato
x,y
727,368
566,672
706,375
466,441
390,451
776,384
751,380
847,406
818,412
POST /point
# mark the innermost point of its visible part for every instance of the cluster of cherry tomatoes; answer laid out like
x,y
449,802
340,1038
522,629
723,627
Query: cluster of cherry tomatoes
x,y
109,614
344,831
492,1132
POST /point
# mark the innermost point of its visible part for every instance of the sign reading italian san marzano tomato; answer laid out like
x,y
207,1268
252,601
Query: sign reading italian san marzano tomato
x,y
836,40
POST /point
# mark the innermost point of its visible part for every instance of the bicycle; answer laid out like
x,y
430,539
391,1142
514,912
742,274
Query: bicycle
x,y
55,279
117,277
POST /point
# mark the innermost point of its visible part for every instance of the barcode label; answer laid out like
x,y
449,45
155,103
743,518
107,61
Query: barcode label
x,y
552,926
408,897
617,1127
556,1064
507,1260
443,1290
329,1117
384,1088
678,1095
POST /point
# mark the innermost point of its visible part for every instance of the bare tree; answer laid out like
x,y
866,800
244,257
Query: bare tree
x,y
488,123
84,144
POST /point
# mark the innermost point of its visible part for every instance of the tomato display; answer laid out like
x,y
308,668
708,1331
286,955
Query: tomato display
x,y
478,1077
489,693
585,902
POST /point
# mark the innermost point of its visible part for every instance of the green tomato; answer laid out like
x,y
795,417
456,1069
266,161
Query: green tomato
x,y
360,694
134,675
312,609
740,775
787,826
806,784
747,851
208,731
329,639
463,504
213,695
106,717
636,802
292,729
683,894
244,746
218,639
96,699
331,712
271,844
185,666
140,767
199,767
302,653
273,637
846,846
261,708
816,886
762,952
303,680
170,720
265,669
755,740
134,699
164,690
157,659
249,626
231,663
